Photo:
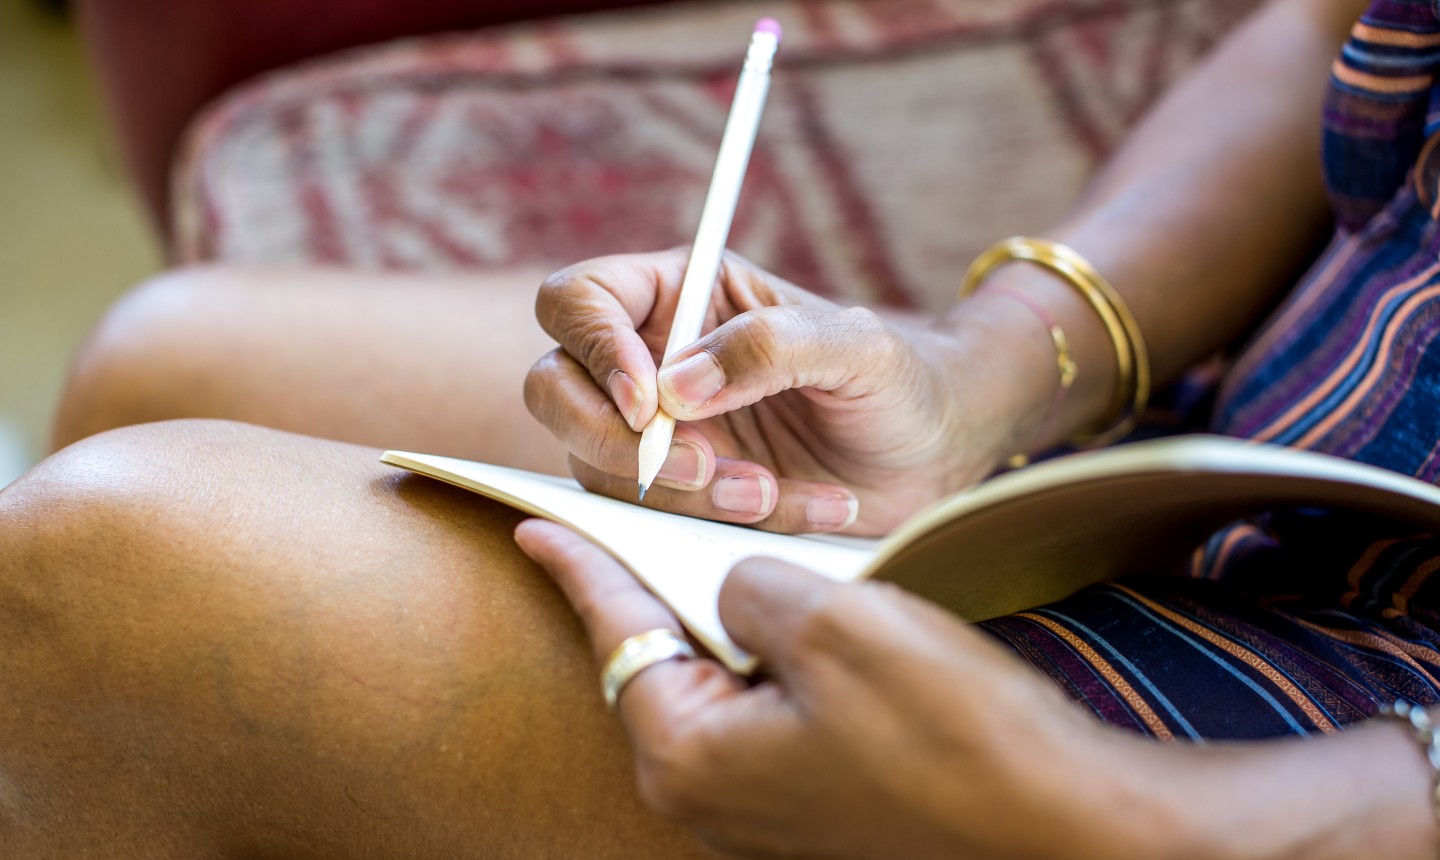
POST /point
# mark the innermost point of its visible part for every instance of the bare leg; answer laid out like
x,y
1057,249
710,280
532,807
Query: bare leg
x,y
430,363
223,641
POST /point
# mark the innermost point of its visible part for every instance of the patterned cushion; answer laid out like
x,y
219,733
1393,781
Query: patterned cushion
x,y
901,137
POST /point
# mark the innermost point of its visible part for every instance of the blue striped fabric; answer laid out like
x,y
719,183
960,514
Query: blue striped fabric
x,y
1304,621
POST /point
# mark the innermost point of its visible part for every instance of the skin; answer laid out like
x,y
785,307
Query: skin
x,y
1161,221
819,403
902,732
842,752
374,359
209,653
220,641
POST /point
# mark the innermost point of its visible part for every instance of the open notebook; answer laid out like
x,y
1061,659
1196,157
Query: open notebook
x,y
1018,540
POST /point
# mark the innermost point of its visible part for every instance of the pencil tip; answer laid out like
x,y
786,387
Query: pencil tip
x,y
643,488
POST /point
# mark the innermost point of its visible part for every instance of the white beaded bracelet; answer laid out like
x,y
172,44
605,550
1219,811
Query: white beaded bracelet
x,y
1423,730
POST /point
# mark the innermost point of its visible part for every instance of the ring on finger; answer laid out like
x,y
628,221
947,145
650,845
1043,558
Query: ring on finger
x,y
637,654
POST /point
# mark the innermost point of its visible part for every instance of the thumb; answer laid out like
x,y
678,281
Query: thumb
x,y
778,611
773,349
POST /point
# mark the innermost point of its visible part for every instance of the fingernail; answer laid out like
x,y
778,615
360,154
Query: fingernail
x,y
692,382
742,494
832,512
684,464
626,395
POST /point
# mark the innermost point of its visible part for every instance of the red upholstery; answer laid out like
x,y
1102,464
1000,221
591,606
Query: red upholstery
x,y
900,138
159,61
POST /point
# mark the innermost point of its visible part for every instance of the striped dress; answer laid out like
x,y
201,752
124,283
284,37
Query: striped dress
x,y
1303,621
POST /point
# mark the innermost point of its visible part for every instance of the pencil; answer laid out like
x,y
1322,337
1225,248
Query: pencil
x,y
714,229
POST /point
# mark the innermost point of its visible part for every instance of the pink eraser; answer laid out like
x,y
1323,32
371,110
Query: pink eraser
x,y
771,26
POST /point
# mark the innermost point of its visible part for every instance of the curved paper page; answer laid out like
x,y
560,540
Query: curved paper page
x,y
681,560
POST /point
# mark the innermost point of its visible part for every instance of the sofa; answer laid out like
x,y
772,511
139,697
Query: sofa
x,y
901,137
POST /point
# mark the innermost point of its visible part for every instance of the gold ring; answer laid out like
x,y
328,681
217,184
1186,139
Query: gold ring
x,y
637,654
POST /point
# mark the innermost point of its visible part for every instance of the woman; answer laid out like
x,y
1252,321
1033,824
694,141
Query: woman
x,y
312,656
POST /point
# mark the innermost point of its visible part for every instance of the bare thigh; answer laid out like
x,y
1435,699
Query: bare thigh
x,y
420,362
223,641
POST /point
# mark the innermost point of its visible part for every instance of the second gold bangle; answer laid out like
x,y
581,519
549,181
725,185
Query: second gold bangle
x,y
1132,360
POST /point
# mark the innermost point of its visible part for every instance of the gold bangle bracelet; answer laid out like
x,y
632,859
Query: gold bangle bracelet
x,y
1132,361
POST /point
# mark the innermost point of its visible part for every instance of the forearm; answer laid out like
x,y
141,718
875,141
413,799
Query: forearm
x,y
1360,794
1207,213
1365,793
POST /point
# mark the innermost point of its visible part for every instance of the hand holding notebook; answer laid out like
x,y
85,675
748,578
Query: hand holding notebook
x,y
873,703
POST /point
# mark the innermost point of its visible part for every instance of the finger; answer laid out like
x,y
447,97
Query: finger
x,y
874,633
610,602
563,397
740,492
747,287
594,309
773,608
613,606
811,507
768,350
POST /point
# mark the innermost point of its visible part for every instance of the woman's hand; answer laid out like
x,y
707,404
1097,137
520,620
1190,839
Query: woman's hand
x,y
886,727
796,414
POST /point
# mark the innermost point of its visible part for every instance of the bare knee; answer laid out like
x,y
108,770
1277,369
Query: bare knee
x,y
157,346
187,631
78,536
232,635
140,572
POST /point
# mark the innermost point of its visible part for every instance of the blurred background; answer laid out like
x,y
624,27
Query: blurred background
x,y
72,237
473,137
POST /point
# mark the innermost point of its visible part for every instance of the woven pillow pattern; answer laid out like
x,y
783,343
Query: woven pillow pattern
x,y
901,137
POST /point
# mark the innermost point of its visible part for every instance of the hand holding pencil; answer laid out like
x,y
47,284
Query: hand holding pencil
x,y
794,414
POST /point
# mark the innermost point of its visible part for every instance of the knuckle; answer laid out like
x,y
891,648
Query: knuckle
x,y
538,384
827,624
736,269
887,606
762,337
864,321
552,299
746,278
612,444
864,326
569,308
591,341
883,591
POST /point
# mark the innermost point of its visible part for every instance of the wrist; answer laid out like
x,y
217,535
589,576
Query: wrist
x,y
1068,786
1013,312
1002,373
1362,793
1114,806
